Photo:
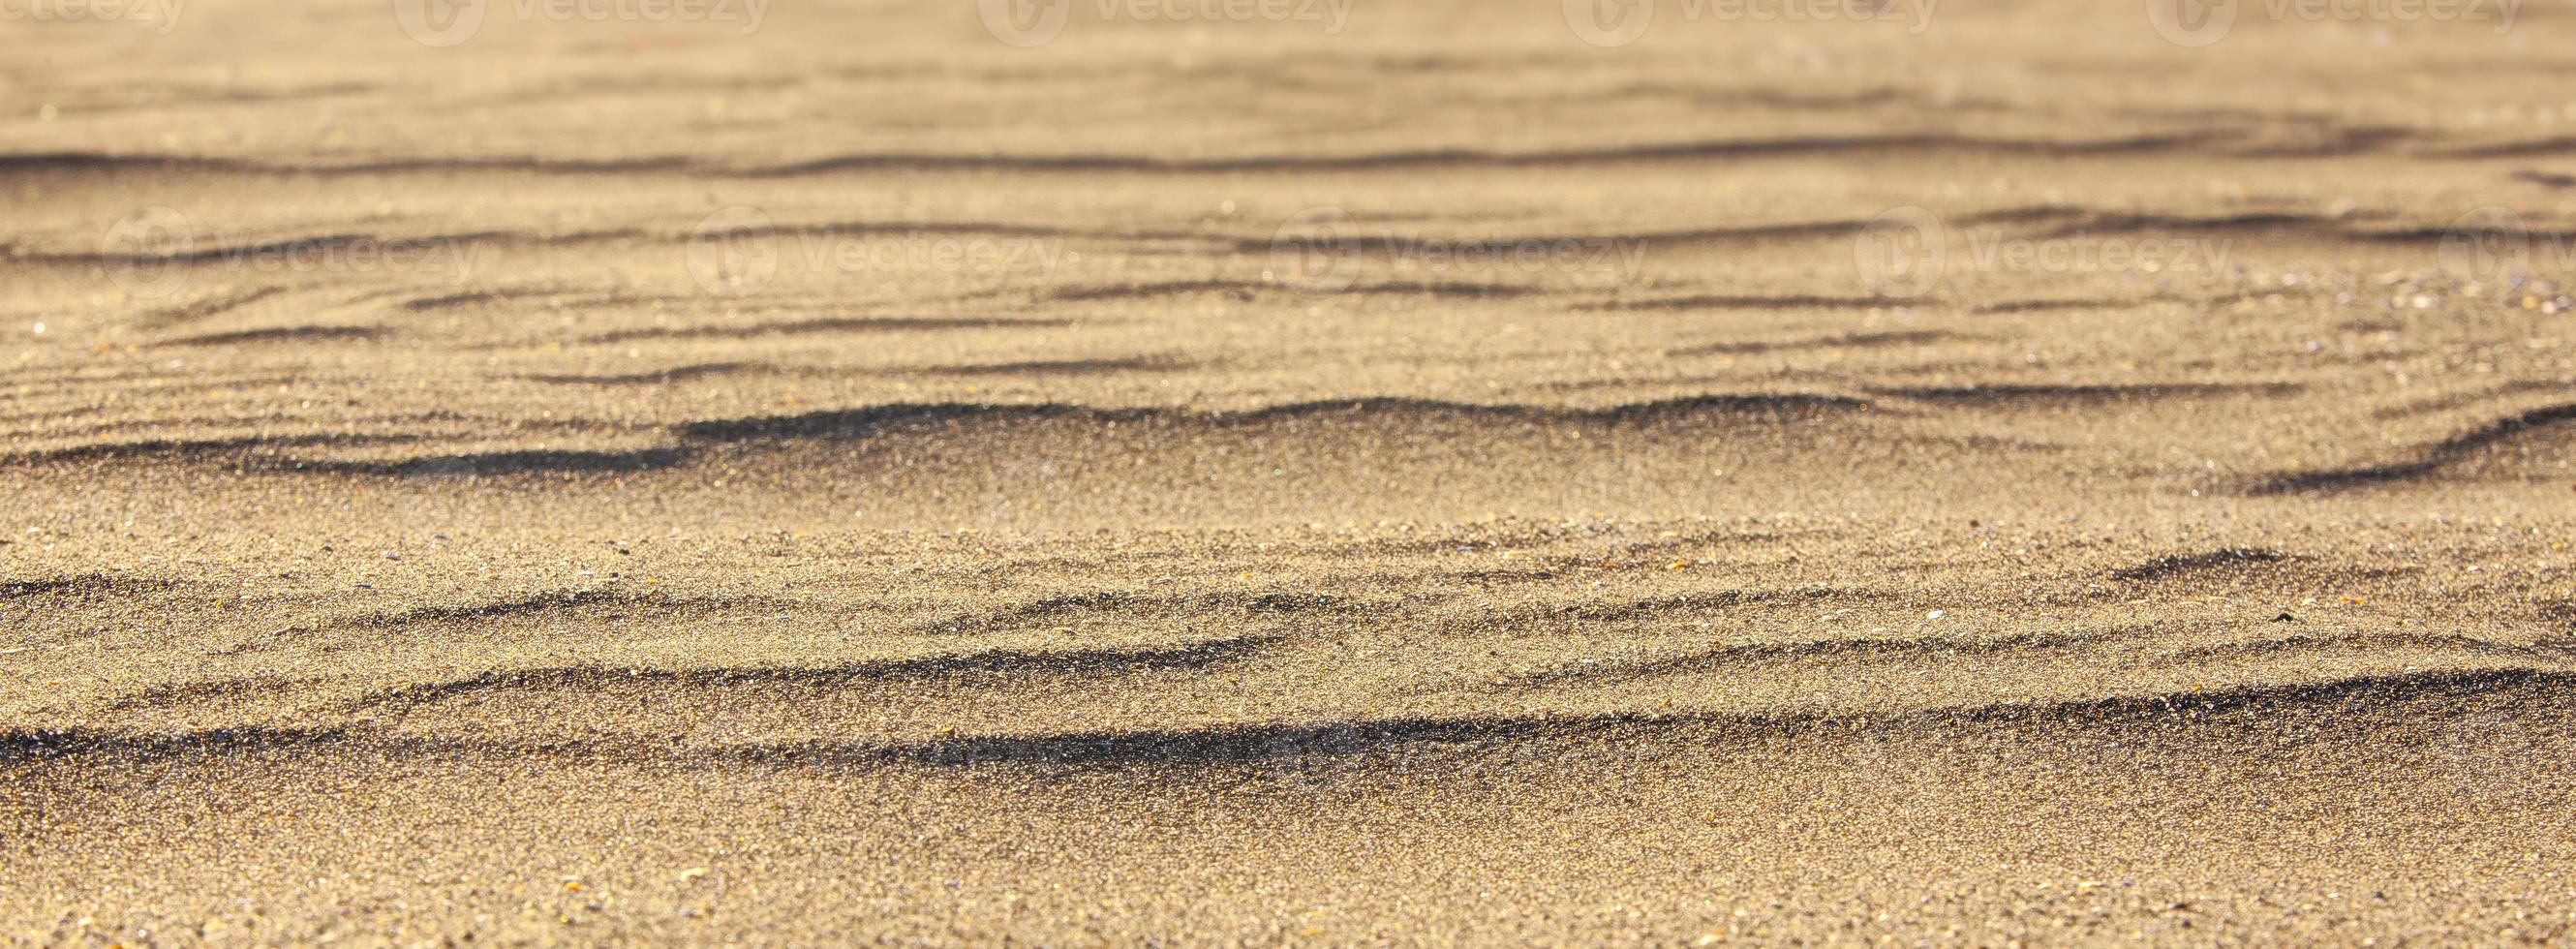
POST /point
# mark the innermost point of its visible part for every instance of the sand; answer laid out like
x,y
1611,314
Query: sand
x,y
1428,480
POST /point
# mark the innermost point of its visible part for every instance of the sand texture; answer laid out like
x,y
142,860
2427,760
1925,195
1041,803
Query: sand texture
x,y
1436,480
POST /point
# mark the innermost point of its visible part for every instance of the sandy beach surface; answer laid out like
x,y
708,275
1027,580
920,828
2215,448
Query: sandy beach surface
x,y
1287,473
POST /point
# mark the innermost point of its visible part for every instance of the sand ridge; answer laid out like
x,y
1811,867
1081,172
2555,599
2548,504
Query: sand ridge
x,y
1439,480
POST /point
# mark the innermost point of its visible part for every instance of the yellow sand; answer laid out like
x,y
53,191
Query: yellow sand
x,y
1236,483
